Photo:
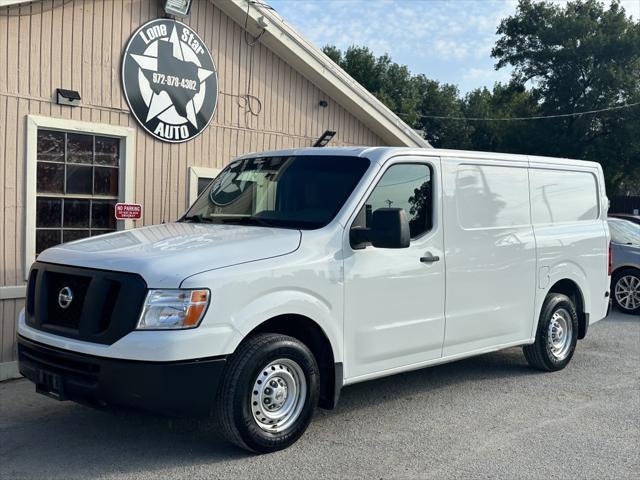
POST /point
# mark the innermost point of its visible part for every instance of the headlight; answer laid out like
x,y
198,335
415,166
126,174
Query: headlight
x,y
173,309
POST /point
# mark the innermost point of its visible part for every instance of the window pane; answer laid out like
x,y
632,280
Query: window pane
x,y
106,181
550,190
79,148
76,213
492,196
50,146
48,212
107,151
79,179
46,239
71,235
50,178
103,215
67,219
203,182
408,187
302,192
624,232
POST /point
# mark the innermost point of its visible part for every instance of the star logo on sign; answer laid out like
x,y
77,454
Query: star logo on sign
x,y
175,70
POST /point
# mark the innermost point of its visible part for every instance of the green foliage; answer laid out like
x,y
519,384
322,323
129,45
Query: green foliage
x,y
504,101
442,99
567,58
579,57
391,83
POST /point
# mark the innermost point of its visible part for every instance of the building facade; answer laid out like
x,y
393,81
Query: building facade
x,y
63,168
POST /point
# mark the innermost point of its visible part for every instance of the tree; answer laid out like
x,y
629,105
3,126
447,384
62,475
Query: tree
x,y
420,207
409,96
503,102
442,99
390,82
333,53
579,57
575,57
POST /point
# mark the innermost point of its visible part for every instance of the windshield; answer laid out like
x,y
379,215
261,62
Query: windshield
x,y
624,232
303,192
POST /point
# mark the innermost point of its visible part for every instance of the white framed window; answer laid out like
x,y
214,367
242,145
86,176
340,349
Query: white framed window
x,y
75,174
198,179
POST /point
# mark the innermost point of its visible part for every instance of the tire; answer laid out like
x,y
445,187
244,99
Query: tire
x,y
625,290
268,393
557,335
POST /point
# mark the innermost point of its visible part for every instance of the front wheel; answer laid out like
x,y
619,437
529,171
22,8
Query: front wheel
x,y
268,393
626,290
556,336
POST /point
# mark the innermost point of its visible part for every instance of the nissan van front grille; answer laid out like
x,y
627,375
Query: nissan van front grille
x,y
69,316
93,305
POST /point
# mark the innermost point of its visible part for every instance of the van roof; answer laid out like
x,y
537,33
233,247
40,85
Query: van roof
x,y
381,154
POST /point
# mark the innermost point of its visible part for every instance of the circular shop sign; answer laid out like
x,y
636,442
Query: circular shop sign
x,y
169,80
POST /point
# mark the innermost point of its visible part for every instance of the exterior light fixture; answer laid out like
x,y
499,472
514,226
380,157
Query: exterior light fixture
x,y
325,138
323,103
67,97
263,22
179,8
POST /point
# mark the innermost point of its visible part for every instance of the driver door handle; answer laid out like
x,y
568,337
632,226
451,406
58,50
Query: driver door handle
x,y
429,258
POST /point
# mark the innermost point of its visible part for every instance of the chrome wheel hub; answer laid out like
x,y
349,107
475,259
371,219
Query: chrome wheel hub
x,y
275,395
627,292
278,395
560,334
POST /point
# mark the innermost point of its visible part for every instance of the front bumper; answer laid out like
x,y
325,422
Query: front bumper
x,y
183,388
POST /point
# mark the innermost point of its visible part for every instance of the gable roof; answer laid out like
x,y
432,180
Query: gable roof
x,y
311,62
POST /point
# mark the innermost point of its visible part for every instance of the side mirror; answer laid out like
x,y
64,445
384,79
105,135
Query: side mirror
x,y
389,229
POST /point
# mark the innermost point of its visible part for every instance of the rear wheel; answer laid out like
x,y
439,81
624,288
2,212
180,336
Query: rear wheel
x,y
556,336
268,393
626,290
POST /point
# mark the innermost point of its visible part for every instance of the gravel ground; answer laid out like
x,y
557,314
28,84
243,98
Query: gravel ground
x,y
485,417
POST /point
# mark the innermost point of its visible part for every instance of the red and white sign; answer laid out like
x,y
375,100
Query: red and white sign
x,y
126,211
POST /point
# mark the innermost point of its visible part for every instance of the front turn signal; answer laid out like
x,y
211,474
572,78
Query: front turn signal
x,y
173,309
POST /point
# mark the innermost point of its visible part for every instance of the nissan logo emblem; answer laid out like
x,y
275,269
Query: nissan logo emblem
x,y
65,297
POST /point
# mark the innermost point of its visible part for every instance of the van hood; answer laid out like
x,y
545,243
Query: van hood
x,y
164,255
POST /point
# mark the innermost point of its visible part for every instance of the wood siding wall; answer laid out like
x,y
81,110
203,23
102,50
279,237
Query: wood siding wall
x,y
9,310
77,45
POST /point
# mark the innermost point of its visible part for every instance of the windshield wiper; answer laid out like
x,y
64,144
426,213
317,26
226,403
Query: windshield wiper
x,y
196,219
246,221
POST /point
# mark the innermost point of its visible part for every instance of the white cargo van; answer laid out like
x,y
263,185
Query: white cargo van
x,y
298,272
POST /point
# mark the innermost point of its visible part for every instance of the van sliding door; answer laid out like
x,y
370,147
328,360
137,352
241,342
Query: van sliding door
x,y
490,254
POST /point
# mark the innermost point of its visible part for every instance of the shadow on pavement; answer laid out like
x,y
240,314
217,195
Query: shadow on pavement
x,y
81,441
43,438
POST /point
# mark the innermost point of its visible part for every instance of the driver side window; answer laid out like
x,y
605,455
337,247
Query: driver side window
x,y
407,186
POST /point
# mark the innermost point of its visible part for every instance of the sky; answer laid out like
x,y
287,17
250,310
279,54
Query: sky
x,y
447,40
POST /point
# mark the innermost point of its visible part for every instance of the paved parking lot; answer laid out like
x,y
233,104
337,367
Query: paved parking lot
x,y
489,416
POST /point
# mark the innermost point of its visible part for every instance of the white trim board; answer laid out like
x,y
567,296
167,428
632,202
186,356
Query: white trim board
x,y
12,292
314,65
192,181
126,187
9,371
